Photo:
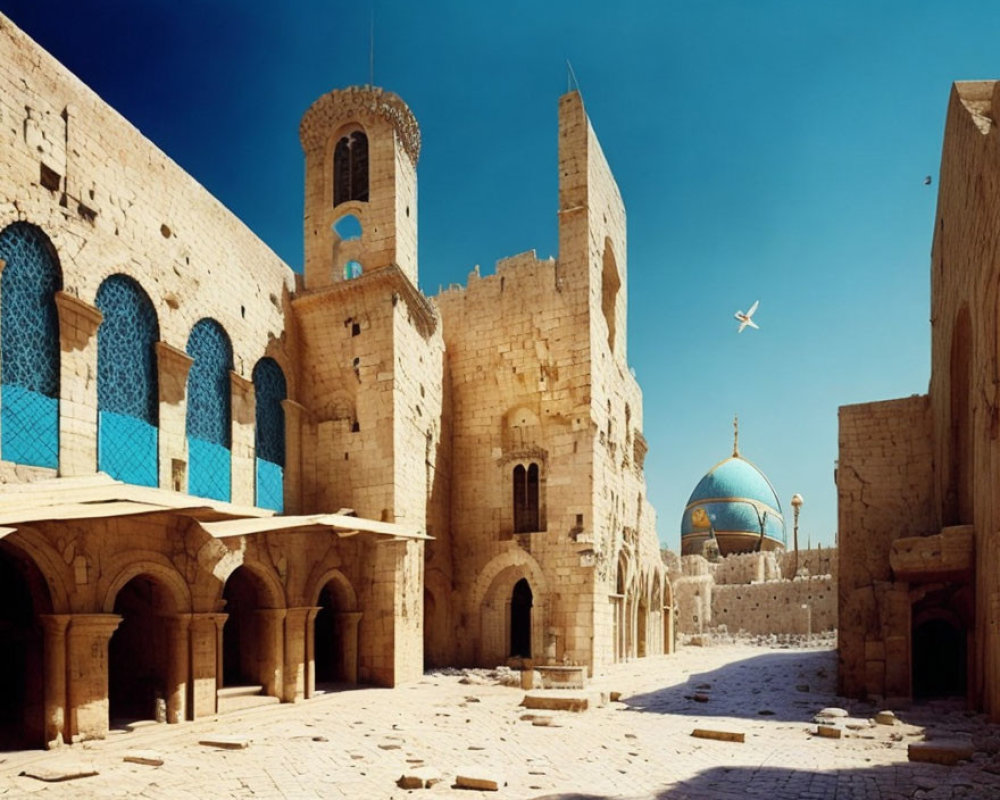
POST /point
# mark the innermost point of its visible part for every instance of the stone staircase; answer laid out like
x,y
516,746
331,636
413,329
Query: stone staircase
x,y
240,698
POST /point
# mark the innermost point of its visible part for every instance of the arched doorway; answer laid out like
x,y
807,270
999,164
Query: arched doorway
x,y
139,651
336,634
939,658
242,648
520,620
23,596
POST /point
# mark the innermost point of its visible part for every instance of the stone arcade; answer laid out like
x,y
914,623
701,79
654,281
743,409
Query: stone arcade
x,y
224,479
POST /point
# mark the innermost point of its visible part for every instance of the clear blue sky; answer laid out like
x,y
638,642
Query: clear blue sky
x,y
765,150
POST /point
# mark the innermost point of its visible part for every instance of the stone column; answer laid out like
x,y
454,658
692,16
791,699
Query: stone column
x,y
293,455
311,651
178,666
347,623
54,654
270,649
87,674
205,654
78,323
244,451
298,652
172,369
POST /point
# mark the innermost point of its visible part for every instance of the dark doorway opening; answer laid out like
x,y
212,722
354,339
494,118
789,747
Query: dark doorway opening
x,y
241,647
520,620
329,645
22,703
939,659
137,652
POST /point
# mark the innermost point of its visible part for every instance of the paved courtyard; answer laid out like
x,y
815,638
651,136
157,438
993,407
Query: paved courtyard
x,y
357,744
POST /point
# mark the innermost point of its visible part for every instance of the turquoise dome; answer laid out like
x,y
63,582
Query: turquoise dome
x,y
734,497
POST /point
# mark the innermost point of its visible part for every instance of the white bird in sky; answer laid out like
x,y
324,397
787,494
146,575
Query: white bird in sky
x,y
745,318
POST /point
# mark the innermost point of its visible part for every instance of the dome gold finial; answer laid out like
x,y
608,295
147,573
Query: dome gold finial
x,y
736,436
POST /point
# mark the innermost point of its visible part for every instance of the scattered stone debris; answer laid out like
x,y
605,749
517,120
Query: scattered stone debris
x,y
542,721
832,713
722,736
885,718
701,697
58,772
419,778
147,758
226,742
944,751
829,731
476,779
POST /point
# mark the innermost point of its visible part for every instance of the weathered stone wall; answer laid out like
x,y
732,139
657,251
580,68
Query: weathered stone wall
x,y
122,206
748,593
884,490
537,377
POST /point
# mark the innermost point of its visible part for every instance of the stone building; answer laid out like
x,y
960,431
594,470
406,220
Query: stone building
x,y
918,477
224,479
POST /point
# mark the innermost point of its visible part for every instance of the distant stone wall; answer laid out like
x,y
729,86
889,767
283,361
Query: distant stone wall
x,y
748,593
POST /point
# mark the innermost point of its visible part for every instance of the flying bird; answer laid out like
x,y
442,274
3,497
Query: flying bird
x,y
745,318
927,181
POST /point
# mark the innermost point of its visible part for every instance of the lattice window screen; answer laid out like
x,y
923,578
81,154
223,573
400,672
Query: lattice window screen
x,y
29,347
269,390
209,423
127,393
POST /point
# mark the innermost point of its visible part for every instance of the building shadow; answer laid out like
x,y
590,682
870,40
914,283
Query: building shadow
x,y
890,782
790,686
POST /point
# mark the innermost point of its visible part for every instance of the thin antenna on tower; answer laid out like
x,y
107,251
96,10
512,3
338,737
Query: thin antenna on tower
x,y
571,82
371,50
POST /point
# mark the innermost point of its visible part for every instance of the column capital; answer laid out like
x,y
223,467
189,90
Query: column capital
x,y
99,624
78,321
54,623
216,618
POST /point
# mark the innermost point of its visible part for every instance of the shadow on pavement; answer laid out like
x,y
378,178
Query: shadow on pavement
x,y
788,686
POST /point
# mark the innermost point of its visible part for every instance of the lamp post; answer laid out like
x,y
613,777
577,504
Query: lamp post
x,y
796,505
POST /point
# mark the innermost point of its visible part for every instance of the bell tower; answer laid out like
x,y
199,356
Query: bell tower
x,y
361,146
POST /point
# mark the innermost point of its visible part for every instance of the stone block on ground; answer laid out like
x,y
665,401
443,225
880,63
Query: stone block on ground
x,y
885,718
829,731
58,771
556,700
226,742
419,778
945,751
474,778
147,758
722,736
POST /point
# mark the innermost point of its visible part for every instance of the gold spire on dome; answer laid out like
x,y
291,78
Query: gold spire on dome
x,y
736,436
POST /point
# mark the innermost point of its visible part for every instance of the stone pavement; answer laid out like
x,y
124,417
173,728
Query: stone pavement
x,y
356,744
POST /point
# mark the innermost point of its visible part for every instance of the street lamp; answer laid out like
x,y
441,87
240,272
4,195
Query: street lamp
x,y
796,505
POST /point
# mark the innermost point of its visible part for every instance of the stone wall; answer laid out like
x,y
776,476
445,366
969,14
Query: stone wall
x,y
754,593
884,490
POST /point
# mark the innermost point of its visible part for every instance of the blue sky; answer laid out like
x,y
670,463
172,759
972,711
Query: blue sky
x,y
765,150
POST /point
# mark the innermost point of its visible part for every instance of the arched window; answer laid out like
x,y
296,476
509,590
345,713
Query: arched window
x,y
526,498
269,390
29,347
127,393
208,411
350,168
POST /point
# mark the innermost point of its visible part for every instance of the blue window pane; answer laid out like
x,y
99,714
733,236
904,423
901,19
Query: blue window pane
x,y
126,448
270,485
269,390
209,472
29,341
208,411
30,424
208,395
127,386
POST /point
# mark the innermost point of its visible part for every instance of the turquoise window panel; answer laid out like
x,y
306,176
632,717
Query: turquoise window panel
x,y
208,396
30,424
29,341
127,448
270,485
209,469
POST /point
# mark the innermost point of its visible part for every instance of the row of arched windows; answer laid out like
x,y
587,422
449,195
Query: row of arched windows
x,y
127,381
